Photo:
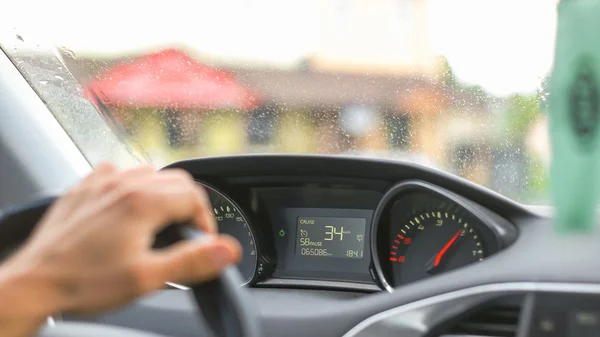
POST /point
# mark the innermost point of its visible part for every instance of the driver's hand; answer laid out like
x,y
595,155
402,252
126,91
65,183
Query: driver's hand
x,y
92,250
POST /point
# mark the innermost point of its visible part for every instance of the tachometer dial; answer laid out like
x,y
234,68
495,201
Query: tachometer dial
x,y
232,221
421,230
431,242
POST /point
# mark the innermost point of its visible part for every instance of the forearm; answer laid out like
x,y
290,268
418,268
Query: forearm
x,y
27,298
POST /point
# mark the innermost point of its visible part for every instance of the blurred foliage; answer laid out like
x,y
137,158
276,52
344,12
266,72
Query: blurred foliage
x,y
446,74
477,94
521,111
538,182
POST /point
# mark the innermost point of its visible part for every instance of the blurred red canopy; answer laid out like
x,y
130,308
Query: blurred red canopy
x,y
170,79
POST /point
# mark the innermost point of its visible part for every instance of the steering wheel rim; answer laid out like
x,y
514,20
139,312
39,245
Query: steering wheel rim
x,y
224,306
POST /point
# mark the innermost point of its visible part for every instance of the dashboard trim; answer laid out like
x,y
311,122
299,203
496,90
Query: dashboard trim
x,y
408,315
312,284
300,283
177,286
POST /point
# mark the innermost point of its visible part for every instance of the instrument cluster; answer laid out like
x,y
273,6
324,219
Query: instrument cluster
x,y
348,236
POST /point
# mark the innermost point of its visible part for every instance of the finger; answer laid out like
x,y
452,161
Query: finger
x,y
109,179
101,174
101,171
138,172
78,194
172,196
204,220
104,168
194,261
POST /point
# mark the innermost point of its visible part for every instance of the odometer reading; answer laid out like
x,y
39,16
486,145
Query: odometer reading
x,y
330,237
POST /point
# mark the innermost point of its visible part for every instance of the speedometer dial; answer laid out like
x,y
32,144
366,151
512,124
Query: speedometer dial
x,y
232,221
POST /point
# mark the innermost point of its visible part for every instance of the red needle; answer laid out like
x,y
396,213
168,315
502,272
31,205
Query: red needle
x,y
439,255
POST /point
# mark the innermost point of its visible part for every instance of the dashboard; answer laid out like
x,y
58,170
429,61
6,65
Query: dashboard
x,y
321,230
346,246
368,244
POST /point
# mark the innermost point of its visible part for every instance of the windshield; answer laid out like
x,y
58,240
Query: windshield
x,y
458,85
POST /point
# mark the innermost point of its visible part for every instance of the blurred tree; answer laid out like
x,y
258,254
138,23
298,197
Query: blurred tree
x,y
529,181
537,182
446,73
521,112
447,77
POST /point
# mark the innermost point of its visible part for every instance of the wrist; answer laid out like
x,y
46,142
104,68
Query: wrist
x,y
32,293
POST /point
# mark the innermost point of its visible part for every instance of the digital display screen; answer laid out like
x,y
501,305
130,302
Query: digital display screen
x,y
331,237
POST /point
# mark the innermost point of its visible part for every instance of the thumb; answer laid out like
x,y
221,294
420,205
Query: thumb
x,y
190,262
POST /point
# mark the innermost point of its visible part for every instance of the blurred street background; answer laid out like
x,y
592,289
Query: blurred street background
x,y
458,85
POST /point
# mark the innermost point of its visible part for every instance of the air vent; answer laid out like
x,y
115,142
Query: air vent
x,y
498,320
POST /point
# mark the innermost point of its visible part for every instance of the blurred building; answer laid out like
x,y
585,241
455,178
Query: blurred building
x,y
372,79
371,85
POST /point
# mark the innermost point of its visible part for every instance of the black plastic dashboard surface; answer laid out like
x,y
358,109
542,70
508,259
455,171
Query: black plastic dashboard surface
x,y
538,254
314,224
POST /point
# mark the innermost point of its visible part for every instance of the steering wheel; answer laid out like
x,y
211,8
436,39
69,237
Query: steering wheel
x,y
224,306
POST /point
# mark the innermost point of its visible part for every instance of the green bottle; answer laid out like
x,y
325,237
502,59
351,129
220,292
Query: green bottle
x,y
574,115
